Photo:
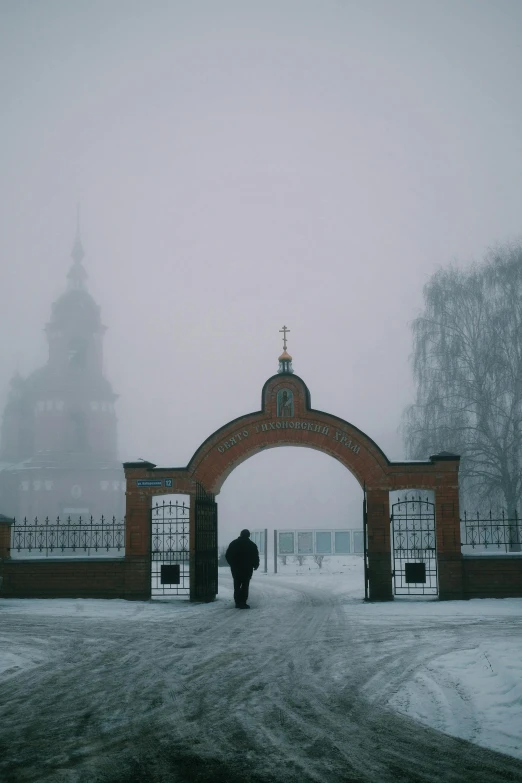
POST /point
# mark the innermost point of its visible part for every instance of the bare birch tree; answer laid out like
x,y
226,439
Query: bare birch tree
x,y
467,365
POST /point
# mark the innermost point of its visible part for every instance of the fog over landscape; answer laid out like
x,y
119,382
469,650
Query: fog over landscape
x,y
244,165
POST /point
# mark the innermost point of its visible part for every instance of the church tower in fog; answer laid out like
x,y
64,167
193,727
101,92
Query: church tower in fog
x,y
58,437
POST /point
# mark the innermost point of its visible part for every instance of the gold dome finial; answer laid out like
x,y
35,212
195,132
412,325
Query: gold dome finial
x,y
285,360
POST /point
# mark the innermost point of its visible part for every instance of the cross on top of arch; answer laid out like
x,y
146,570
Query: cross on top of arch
x,y
284,330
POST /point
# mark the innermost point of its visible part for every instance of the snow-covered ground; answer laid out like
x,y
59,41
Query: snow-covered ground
x,y
475,694
311,684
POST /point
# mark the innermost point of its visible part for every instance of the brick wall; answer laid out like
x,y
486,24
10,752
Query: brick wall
x,y
492,577
48,578
125,577
80,578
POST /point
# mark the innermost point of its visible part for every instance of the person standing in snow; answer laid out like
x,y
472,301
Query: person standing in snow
x,y
242,556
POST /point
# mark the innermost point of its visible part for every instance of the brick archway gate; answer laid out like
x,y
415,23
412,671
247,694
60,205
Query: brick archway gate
x,y
286,418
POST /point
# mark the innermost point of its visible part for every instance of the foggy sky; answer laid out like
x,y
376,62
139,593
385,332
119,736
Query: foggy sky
x,y
241,165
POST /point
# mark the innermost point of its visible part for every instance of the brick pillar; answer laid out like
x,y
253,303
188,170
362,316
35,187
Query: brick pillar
x,y
137,542
5,544
379,554
5,537
449,554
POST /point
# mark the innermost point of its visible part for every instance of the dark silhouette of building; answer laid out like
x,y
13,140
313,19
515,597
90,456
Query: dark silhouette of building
x,y
58,438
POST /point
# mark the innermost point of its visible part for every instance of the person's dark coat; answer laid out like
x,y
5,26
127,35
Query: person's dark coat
x,y
242,556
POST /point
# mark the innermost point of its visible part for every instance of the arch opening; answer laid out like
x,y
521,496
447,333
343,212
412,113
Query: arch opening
x,y
302,494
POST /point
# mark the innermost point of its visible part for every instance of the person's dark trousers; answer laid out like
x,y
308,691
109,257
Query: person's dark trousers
x,y
241,583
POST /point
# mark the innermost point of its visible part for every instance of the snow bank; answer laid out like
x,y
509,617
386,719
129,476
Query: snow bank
x,y
474,694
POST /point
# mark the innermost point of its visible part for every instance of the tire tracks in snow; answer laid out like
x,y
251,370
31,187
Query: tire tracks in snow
x,y
294,690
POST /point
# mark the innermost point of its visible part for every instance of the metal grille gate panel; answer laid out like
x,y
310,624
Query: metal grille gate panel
x,y
365,547
170,549
414,549
206,552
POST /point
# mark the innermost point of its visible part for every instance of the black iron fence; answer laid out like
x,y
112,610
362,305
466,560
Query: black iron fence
x,y
491,533
78,537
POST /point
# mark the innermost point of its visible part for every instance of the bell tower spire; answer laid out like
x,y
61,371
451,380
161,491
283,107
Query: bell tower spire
x,y
77,274
77,253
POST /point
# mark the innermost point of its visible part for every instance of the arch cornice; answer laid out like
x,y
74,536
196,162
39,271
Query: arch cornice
x,y
294,423
299,425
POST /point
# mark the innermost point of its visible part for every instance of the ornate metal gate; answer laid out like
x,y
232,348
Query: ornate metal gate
x,y
170,549
206,551
414,547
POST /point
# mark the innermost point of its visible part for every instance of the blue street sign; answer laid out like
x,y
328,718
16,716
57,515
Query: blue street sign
x,y
168,482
